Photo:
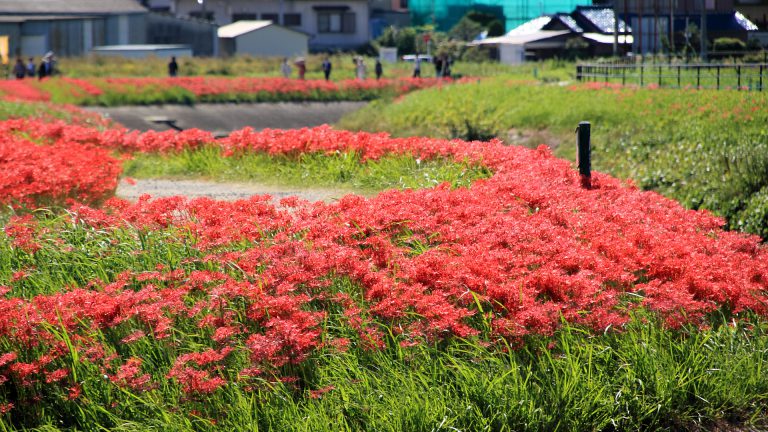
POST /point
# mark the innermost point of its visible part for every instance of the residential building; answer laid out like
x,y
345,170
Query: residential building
x,y
663,25
588,29
446,13
330,24
261,39
70,27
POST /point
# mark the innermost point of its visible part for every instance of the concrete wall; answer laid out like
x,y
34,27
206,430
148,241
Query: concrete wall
x,y
272,41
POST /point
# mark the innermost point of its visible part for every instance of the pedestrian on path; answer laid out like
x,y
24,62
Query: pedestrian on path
x,y
19,71
173,67
379,69
285,68
327,66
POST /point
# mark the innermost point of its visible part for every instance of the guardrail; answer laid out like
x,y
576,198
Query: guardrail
x,y
747,76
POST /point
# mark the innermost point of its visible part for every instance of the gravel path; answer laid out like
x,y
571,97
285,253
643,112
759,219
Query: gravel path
x,y
221,191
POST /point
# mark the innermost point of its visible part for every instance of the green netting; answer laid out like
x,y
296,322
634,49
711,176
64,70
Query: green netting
x,y
445,13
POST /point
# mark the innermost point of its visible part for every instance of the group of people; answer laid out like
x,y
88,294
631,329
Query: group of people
x,y
361,69
442,66
46,68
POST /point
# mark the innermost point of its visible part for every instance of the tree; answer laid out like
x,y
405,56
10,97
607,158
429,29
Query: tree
x,y
466,29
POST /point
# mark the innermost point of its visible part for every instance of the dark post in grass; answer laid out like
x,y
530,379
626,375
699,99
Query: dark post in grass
x,y
584,154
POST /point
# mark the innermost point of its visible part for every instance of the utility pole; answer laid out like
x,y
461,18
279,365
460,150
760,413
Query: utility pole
x,y
704,30
672,5
615,29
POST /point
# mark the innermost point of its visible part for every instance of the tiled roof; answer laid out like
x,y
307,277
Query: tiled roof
x,y
570,23
601,18
58,7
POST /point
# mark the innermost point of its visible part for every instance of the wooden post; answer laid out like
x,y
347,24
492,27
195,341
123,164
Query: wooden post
x,y
584,157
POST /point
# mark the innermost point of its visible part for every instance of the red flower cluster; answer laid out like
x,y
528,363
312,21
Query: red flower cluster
x,y
22,90
51,172
510,256
206,88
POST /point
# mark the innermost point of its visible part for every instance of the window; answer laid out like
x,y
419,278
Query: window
x,y
292,19
207,15
335,22
244,17
270,17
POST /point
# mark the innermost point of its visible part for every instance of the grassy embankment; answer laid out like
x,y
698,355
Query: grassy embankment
x,y
245,66
707,149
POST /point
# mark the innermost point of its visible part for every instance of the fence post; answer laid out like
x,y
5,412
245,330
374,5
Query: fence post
x,y
659,76
678,76
698,77
641,74
578,72
584,154
718,77
761,77
738,77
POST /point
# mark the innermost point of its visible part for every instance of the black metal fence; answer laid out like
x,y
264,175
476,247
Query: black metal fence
x,y
748,76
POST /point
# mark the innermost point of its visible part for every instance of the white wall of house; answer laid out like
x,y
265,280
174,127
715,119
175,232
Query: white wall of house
x,y
271,41
330,24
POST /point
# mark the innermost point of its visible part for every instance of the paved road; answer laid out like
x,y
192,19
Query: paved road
x,y
224,118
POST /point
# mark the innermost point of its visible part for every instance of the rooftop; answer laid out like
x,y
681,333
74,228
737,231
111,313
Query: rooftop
x,y
79,7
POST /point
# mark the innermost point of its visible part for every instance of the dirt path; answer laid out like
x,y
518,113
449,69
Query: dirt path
x,y
221,191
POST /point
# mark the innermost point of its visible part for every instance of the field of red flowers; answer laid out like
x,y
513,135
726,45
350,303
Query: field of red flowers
x,y
202,295
121,91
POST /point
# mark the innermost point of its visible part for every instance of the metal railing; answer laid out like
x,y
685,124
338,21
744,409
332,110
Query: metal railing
x,y
748,76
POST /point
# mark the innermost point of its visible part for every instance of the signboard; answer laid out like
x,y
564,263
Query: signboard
x,y
4,49
388,55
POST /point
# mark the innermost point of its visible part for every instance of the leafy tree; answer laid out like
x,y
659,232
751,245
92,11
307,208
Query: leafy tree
x,y
466,29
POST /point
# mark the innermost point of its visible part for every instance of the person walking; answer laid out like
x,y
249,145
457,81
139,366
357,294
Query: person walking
x,y
417,67
173,67
360,69
379,69
327,66
31,67
44,68
285,68
19,71
301,66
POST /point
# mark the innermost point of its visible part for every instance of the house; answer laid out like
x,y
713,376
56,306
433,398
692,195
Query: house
x,y
588,29
663,25
388,13
261,39
70,27
330,24
516,48
446,13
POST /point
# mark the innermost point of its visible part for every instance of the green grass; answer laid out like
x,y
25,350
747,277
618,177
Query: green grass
x,y
344,170
706,149
246,66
